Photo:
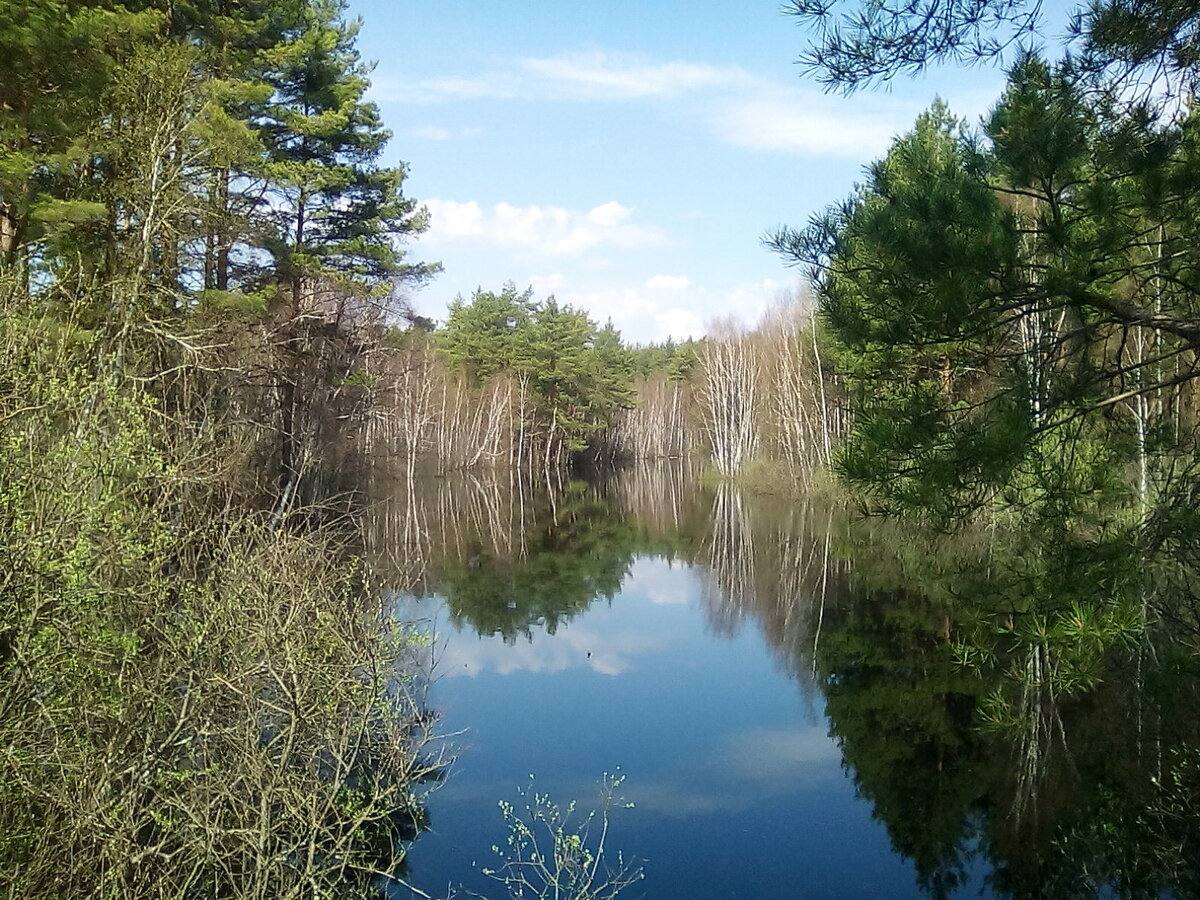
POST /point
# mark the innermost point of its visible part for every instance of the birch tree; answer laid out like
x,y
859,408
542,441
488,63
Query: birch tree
x,y
729,373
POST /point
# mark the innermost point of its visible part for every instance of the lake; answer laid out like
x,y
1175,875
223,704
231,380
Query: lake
x,y
782,729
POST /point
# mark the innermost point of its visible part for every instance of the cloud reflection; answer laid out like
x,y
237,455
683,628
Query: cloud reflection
x,y
662,582
745,768
572,646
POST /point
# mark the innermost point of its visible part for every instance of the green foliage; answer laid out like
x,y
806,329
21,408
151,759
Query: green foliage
x,y
576,375
199,700
910,297
550,853
335,210
485,336
581,555
675,359
195,702
193,139
1009,312
853,44
250,306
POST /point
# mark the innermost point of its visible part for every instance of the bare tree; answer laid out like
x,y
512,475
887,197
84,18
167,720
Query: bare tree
x,y
730,371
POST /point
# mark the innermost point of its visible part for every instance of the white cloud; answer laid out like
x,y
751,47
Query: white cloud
x,y
547,284
679,324
662,583
660,308
609,215
453,219
431,90
779,755
800,120
574,645
668,282
550,230
748,302
600,75
595,75
804,122
437,133
741,109
466,88
431,133
759,765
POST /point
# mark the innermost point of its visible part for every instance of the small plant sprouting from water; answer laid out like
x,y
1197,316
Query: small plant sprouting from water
x,y
553,853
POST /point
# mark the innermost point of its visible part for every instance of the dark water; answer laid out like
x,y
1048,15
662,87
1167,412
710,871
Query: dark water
x,y
783,730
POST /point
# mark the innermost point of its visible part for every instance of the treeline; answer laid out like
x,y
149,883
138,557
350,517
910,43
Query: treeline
x,y
509,380
198,245
770,398
529,384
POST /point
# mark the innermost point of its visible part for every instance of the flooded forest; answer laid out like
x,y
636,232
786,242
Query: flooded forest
x,y
893,591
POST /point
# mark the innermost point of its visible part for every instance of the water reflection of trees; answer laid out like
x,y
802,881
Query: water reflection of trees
x,y
985,739
974,754
770,562
969,749
507,554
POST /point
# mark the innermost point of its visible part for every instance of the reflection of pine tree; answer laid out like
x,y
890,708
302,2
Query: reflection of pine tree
x,y
507,555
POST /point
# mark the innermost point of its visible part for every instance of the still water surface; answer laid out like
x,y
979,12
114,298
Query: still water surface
x,y
780,736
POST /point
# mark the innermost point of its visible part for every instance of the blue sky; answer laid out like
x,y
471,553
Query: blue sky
x,y
624,156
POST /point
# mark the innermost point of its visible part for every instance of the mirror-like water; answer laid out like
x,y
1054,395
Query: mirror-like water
x,y
782,732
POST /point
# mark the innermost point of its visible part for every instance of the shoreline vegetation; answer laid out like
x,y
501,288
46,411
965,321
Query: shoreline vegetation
x,y
200,696
204,694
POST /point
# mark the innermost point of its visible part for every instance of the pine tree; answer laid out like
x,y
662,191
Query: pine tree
x,y
334,214
233,38
1015,311
482,336
56,60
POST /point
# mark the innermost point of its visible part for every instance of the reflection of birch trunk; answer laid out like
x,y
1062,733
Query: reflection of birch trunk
x,y
654,494
398,533
794,615
487,495
730,561
415,541
1040,725
823,594
784,578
